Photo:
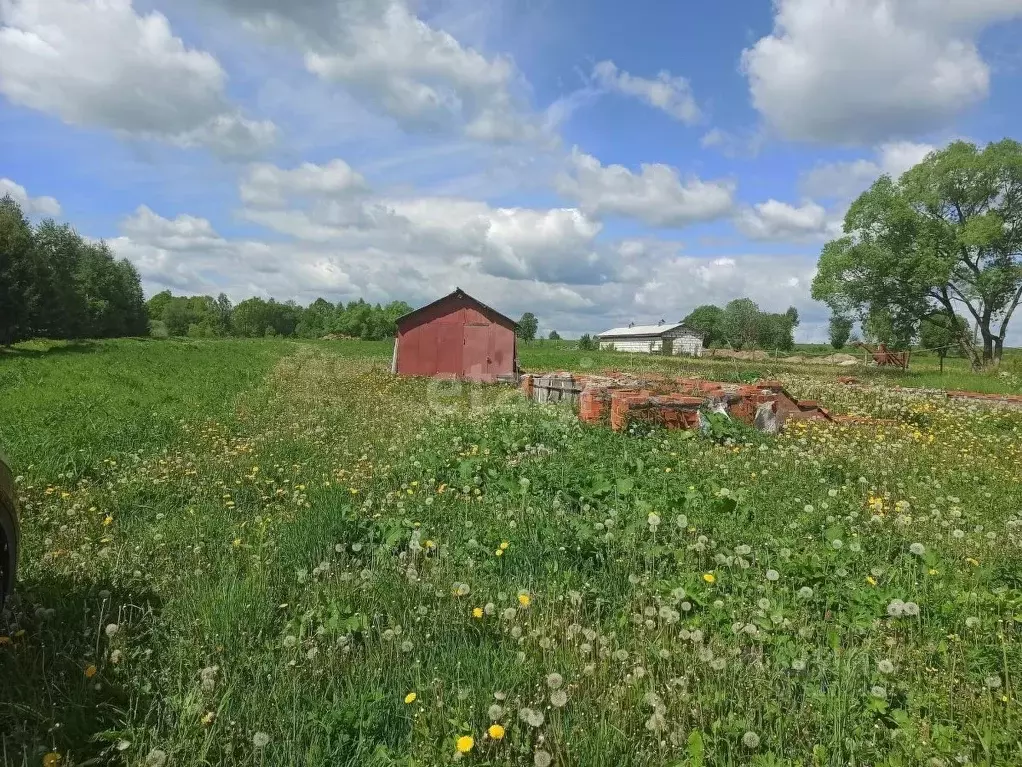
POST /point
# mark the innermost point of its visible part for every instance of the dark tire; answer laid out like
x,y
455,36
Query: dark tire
x,y
8,532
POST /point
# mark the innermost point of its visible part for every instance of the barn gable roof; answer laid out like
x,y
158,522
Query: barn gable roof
x,y
456,293
646,330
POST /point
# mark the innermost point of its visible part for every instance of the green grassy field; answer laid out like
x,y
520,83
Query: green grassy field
x,y
274,553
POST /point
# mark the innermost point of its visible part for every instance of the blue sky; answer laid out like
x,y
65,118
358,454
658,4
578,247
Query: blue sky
x,y
591,163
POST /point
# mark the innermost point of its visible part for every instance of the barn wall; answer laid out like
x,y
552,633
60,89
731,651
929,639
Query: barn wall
x,y
639,344
456,338
688,344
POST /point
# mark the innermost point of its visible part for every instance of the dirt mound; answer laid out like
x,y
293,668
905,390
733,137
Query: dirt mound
x,y
756,355
795,359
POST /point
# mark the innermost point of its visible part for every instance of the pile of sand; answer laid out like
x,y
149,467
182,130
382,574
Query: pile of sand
x,y
843,360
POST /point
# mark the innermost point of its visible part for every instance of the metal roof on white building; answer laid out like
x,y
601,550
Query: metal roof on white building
x,y
641,330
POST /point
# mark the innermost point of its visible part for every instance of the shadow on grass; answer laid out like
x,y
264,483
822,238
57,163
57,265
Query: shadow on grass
x,y
32,350
65,682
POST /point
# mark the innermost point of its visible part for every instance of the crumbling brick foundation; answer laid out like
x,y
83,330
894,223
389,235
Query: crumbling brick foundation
x,y
620,399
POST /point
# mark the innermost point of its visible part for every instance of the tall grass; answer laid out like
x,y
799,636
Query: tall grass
x,y
302,542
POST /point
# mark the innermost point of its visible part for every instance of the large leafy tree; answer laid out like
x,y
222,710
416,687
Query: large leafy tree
x,y
945,237
705,319
840,330
741,322
940,334
527,326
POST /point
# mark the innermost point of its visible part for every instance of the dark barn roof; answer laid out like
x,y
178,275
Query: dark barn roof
x,y
456,293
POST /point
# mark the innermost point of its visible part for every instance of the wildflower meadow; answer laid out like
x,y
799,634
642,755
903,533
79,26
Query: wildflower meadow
x,y
275,553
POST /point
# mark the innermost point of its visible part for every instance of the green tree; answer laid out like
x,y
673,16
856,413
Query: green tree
x,y
777,331
941,333
588,343
706,319
554,336
528,325
840,330
17,272
740,323
948,233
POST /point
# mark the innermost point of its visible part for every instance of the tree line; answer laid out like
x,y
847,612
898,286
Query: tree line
x,y
208,317
741,324
56,284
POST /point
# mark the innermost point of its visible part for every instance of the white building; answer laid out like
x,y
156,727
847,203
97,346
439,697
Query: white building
x,y
670,339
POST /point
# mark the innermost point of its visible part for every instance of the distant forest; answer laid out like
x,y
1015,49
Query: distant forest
x,y
208,317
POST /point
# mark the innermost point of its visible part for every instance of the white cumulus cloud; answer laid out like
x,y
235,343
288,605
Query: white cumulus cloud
x,y
99,63
403,66
846,180
781,221
656,195
668,93
863,71
31,206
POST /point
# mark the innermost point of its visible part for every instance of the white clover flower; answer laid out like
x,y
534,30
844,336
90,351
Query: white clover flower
x,y
772,575
918,549
750,740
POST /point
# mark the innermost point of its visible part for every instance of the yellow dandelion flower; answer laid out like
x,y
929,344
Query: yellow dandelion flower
x,y
236,542
477,612
709,577
496,732
524,599
208,718
973,562
498,553
410,697
465,743
51,759
90,671
933,571
504,546
108,520
871,580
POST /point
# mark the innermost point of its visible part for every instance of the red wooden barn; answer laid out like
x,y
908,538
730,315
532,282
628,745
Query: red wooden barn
x,y
456,337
